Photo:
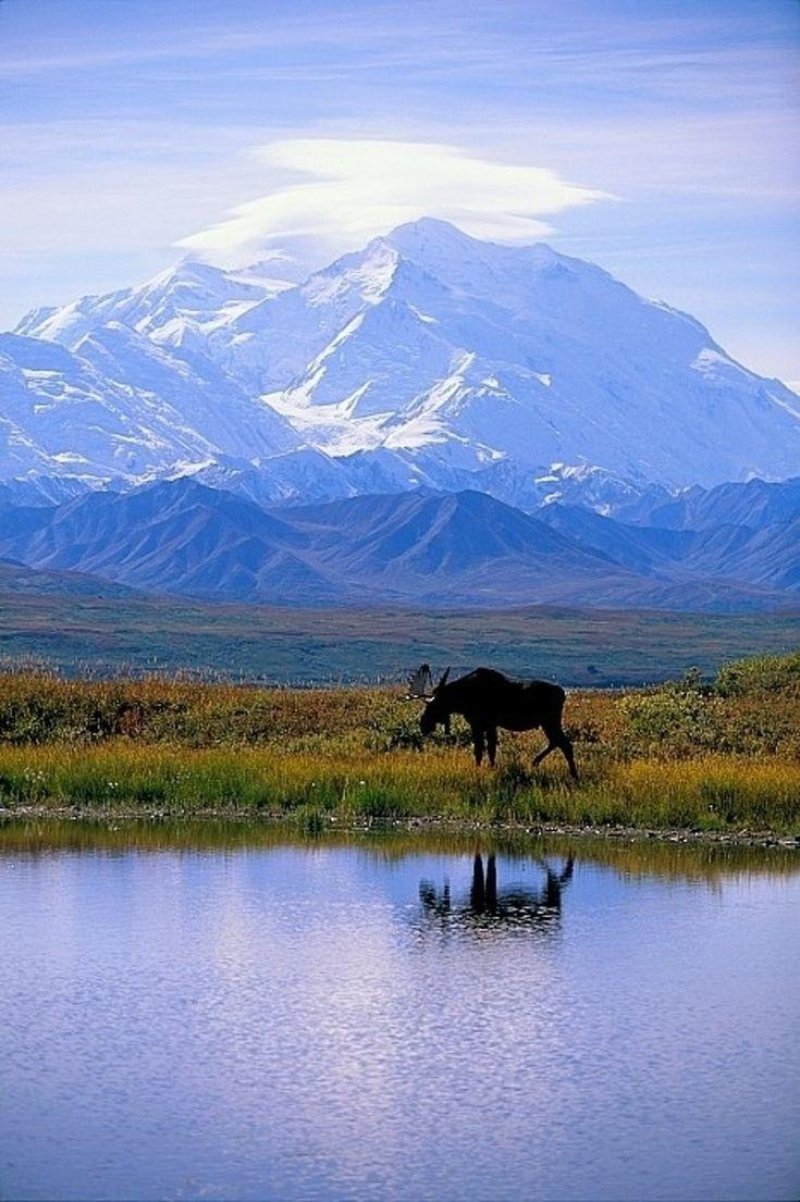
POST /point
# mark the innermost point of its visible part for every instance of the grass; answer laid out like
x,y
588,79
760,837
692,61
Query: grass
x,y
688,755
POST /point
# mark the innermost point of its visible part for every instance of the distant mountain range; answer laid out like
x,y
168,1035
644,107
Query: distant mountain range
x,y
464,549
428,359
431,421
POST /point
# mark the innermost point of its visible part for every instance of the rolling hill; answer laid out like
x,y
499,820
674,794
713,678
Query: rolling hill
x,y
439,550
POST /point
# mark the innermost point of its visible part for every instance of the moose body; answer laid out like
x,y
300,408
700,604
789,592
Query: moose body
x,y
488,700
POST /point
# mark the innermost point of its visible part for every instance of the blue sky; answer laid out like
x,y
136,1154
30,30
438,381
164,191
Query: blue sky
x,y
657,138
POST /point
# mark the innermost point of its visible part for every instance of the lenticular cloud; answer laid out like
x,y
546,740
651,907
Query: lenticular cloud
x,y
354,189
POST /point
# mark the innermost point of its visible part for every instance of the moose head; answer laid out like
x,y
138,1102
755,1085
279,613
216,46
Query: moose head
x,y
421,686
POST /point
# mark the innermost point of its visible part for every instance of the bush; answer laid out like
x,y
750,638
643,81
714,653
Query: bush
x,y
762,674
671,721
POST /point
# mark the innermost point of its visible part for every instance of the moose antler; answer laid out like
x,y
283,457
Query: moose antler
x,y
420,684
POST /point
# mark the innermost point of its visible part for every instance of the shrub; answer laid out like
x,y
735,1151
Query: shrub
x,y
672,721
765,673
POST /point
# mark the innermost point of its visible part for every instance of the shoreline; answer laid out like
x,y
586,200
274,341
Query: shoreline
x,y
237,815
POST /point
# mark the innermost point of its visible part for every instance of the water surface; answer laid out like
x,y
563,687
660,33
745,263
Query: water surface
x,y
220,1012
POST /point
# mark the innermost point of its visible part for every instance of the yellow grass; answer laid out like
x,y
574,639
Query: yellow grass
x,y
726,758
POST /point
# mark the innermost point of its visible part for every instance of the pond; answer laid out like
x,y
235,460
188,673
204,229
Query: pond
x,y
231,1012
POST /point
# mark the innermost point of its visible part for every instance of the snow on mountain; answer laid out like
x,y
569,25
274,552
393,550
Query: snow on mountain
x,y
201,397
122,407
303,475
425,356
532,356
73,416
178,307
431,338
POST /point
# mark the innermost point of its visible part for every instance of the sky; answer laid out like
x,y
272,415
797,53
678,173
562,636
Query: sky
x,y
657,138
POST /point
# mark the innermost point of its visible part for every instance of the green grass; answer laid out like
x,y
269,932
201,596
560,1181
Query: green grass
x,y
704,794
687,755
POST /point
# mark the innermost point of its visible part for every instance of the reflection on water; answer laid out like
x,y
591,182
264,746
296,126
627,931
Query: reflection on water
x,y
489,906
227,1011
702,861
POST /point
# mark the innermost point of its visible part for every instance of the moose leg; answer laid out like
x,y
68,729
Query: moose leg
x,y
551,746
477,744
566,746
491,884
491,743
557,738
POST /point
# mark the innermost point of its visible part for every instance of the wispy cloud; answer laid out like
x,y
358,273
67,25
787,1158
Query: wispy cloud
x,y
126,126
359,188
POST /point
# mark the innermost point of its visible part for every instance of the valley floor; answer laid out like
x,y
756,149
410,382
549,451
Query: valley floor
x,y
128,636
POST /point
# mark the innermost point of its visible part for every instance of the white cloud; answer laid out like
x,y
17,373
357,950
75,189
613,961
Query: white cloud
x,y
359,188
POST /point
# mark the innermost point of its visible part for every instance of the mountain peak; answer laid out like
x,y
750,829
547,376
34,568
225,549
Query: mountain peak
x,y
431,236
195,286
431,231
187,268
451,352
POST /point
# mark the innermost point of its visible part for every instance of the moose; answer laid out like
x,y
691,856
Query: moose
x,y
488,700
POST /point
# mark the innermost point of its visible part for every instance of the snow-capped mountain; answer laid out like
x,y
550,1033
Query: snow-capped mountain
x,y
428,358
179,307
120,406
440,341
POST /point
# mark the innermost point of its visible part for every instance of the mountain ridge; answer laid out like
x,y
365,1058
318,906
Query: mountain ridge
x,y
428,351
439,550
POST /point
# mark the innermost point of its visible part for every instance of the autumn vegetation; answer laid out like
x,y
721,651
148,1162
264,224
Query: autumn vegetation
x,y
720,755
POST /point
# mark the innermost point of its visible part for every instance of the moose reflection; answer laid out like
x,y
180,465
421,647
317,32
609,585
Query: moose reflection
x,y
487,903
488,700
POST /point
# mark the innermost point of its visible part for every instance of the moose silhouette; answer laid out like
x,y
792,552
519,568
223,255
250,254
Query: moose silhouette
x,y
531,906
488,700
